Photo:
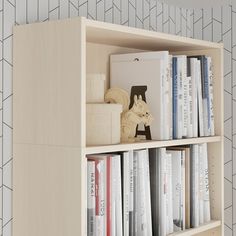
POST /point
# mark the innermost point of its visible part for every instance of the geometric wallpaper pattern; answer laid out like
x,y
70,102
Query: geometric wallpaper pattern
x,y
218,24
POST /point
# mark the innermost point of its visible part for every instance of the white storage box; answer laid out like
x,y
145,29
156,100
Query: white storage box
x,y
103,124
95,85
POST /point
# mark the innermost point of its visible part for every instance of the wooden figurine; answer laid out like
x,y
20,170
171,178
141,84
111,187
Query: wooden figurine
x,y
130,118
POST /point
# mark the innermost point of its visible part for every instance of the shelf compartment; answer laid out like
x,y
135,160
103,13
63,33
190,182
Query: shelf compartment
x,y
200,229
150,144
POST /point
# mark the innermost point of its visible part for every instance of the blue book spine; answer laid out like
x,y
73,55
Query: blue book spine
x,y
174,95
206,89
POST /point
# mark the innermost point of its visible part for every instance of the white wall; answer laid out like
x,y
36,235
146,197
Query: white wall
x,y
218,24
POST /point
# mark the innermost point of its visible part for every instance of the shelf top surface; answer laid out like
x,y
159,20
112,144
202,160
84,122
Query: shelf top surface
x,y
149,144
125,36
108,33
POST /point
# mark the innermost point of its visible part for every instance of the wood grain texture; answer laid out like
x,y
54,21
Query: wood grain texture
x,y
48,199
49,84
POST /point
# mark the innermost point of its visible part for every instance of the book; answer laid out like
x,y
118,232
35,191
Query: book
x,y
91,198
155,183
206,189
192,71
177,189
210,98
169,201
126,192
194,180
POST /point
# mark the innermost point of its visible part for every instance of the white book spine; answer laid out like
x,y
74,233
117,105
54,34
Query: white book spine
x,y
113,196
180,98
201,185
118,197
212,119
170,228
206,192
142,211
131,193
147,193
176,189
193,62
199,95
163,191
102,194
170,99
126,193
190,108
183,189
91,198
195,174
185,97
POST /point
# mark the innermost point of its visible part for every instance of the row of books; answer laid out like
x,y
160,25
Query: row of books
x,y
177,88
148,191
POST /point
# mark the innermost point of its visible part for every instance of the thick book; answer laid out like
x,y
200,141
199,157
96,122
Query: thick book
x,y
91,198
147,71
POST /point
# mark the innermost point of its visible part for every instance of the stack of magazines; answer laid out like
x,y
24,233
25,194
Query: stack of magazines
x,y
148,192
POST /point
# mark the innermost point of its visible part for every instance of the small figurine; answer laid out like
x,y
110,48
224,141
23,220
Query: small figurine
x,y
130,118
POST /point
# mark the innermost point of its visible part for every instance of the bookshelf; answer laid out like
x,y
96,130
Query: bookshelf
x,y
49,137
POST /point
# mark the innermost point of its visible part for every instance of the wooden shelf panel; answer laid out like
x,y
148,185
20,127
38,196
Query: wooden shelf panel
x,y
149,144
200,229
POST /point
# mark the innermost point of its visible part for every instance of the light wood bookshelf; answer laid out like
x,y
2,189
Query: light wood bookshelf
x,y
51,60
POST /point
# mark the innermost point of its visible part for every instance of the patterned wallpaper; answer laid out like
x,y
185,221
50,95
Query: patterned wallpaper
x,y
214,24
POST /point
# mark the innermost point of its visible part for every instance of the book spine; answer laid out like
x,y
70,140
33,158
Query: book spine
x,y
185,107
195,174
170,99
193,62
183,190
131,194
184,97
180,99
147,192
175,95
136,193
113,196
108,196
206,192
142,211
126,194
211,107
201,185
163,191
102,196
170,228
200,103
119,227
206,101
91,198
190,108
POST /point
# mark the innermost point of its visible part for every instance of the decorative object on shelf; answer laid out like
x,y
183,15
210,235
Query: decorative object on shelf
x,y
95,84
103,124
130,118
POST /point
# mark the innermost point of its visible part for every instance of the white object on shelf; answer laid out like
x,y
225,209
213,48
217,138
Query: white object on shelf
x,y
103,124
95,84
